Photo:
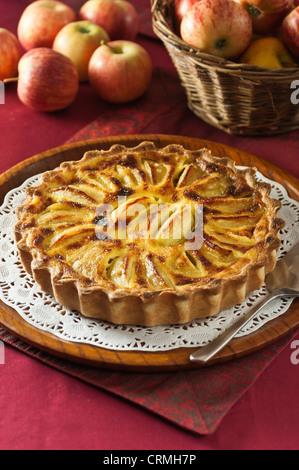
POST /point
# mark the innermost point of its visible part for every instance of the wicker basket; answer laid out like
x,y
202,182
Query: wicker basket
x,y
239,99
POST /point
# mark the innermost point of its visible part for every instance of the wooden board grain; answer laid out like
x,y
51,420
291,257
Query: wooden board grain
x,y
176,359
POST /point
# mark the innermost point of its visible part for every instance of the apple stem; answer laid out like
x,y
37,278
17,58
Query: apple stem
x,y
104,43
253,10
8,80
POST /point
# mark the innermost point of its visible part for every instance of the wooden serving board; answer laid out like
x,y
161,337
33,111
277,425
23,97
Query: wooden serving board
x,y
176,359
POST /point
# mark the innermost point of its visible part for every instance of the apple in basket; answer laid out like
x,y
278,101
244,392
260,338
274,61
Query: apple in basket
x,y
268,52
78,41
9,54
118,17
266,15
222,28
180,9
120,71
290,31
41,21
48,81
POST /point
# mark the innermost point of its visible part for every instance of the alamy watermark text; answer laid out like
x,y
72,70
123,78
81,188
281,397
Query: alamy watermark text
x,y
132,219
295,93
2,93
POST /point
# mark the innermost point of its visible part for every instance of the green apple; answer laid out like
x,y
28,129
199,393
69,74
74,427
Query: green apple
x,y
78,41
268,52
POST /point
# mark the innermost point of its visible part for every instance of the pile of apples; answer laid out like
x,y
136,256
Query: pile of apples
x,y
55,50
264,33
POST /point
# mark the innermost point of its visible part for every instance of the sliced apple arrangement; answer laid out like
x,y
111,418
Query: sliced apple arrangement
x,y
263,33
63,49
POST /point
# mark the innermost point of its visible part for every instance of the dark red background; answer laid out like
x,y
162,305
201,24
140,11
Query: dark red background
x,y
42,408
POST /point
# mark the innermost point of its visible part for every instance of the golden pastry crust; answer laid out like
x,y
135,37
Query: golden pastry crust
x,y
140,269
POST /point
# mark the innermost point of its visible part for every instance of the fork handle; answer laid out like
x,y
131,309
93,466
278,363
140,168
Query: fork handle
x,y
206,353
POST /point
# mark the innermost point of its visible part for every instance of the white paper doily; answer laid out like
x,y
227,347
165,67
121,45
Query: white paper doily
x,y
19,291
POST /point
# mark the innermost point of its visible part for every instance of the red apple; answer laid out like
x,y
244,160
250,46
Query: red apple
x,y
120,71
290,31
266,15
180,9
9,54
41,21
48,81
78,41
220,27
118,17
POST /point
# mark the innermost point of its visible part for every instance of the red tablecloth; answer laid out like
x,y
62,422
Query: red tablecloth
x,y
44,408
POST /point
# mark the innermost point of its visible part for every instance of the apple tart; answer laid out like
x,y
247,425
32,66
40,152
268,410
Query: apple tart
x,y
149,236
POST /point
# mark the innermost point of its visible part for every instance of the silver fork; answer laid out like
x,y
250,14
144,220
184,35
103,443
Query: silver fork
x,y
282,282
